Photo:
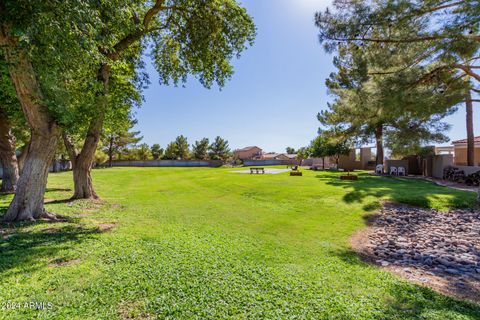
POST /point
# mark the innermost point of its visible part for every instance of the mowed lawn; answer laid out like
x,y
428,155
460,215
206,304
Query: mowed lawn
x,y
210,244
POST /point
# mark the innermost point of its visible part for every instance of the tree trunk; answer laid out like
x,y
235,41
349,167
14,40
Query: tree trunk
x,y
110,152
82,177
27,203
323,163
8,157
29,197
470,134
23,155
379,144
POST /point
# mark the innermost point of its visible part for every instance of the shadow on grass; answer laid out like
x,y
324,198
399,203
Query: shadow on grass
x,y
414,192
58,190
413,301
23,248
24,245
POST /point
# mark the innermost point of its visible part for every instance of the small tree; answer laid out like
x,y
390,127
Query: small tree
x,y
219,149
182,148
319,148
327,146
117,142
339,149
156,151
290,150
143,152
171,152
302,153
200,149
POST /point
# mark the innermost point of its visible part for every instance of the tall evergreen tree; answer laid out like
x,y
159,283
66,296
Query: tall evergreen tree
x,y
447,32
200,149
156,151
219,149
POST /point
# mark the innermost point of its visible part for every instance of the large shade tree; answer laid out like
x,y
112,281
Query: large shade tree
x,y
187,37
447,31
392,107
42,45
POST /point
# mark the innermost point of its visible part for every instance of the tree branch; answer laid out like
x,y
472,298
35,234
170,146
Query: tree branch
x,y
70,147
467,70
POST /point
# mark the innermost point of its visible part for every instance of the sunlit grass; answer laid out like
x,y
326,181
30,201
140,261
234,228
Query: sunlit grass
x,y
208,243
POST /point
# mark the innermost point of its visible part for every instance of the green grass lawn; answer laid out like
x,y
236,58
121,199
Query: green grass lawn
x,y
208,244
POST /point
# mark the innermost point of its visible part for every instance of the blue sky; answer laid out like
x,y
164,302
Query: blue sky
x,y
273,97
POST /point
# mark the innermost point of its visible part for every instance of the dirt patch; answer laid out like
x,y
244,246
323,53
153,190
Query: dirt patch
x,y
133,310
440,250
50,230
104,227
62,262
7,233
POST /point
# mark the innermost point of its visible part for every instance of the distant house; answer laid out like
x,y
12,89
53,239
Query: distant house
x,y
290,156
460,152
248,153
278,156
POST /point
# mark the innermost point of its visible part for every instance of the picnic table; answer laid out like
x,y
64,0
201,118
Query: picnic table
x,y
257,170
294,168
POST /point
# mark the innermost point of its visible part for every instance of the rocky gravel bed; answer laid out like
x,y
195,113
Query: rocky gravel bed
x,y
429,246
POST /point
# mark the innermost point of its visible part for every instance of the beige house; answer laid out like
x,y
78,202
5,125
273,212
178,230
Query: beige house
x,y
278,156
274,156
460,152
248,153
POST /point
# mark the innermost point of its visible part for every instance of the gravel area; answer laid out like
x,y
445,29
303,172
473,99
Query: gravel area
x,y
437,249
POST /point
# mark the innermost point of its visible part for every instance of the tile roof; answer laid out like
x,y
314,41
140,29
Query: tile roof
x,y
247,148
477,139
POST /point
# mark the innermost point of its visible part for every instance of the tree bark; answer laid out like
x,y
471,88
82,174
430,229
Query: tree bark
x,y
82,166
27,203
8,157
23,155
470,133
110,152
379,144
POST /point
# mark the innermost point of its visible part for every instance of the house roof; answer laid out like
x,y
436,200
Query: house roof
x,y
270,155
291,155
248,148
463,141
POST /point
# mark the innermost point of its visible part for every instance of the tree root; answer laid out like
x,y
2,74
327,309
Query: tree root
x,y
49,216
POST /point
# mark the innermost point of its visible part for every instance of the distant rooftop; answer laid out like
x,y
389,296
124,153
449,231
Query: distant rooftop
x,y
463,141
248,148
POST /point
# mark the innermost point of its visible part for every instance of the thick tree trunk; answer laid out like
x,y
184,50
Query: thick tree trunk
x,y
8,157
82,178
470,133
27,203
379,144
29,197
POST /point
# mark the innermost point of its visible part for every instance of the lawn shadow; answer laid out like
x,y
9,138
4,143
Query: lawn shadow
x,y
408,191
23,248
58,190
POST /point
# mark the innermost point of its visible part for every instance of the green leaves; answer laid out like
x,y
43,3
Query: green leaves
x,y
200,38
219,149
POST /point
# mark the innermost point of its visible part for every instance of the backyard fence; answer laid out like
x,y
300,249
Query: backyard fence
x,y
165,163
56,166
